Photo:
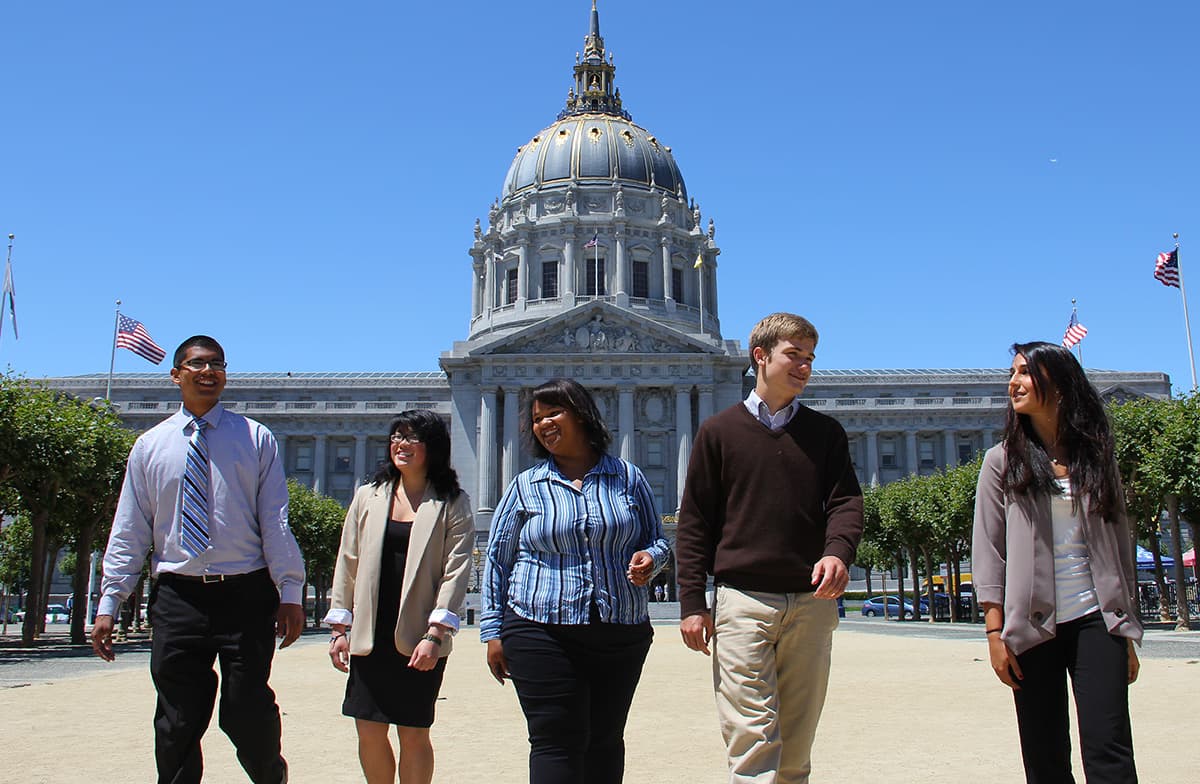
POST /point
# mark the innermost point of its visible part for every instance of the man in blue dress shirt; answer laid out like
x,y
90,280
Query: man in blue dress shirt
x,y
205,488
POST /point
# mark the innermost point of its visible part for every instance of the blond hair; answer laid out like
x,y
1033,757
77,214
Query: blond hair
x,y
780,326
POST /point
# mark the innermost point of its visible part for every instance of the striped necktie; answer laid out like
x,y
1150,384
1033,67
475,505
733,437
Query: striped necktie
x,y
193,529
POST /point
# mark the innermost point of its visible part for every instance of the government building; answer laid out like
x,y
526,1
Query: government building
x,y
595,263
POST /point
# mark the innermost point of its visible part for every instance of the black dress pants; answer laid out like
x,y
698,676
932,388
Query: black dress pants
x,y
575,684
196,624
1098,664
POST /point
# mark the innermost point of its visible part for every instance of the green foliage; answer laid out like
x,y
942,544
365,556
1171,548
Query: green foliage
x,y
62,460
15,542
316,521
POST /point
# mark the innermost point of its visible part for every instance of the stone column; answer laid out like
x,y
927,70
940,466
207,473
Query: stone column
x,y
476,277
949,442
319,464
683,429
281,445
985,438
512,436
486,449
872,458
705,403
489,284
710,293
361,470
625,422
668,295
622,275
566,279
910,451
522,273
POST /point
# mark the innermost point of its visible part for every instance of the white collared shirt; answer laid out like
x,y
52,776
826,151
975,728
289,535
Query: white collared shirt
x,y
762,412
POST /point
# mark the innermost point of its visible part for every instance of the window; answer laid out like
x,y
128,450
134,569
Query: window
x,y
925,453
654,452
641,279
595,277
343,458
304,457
379,454
677,284
510,286
887,453
549,279
965,452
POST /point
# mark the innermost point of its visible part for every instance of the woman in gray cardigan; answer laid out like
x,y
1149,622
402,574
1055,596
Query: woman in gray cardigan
x,y
1054,570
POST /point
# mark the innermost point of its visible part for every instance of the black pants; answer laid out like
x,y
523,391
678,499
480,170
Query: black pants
x,y
194,625
1098,664
575,684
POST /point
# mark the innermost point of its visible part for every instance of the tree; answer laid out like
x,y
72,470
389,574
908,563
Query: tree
x,y
15,541
316,521
52,444
870,554
1136,425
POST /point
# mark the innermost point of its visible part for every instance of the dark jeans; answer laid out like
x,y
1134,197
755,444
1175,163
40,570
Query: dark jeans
x,y
196,624
1098,664
575,684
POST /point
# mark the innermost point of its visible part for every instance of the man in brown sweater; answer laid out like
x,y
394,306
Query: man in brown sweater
x,y
772,509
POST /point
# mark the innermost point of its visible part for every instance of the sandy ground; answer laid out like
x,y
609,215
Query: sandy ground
x,y
900,709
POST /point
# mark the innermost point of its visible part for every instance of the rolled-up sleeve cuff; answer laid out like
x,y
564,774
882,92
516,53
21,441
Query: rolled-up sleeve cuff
x,y
445,618
489,627
344,617
108,605
291,593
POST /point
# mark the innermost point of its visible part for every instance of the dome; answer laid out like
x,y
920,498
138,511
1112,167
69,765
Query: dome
x,y
597,148
594,139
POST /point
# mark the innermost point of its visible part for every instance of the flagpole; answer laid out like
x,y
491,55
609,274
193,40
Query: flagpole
x,y
1186,321
700,269
113,360
596,266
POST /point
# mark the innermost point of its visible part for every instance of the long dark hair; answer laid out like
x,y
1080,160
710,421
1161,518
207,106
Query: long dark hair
x,y
1083,430
574,397
430,430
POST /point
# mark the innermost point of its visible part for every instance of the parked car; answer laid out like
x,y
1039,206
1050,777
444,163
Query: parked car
x,y
55,613
874,606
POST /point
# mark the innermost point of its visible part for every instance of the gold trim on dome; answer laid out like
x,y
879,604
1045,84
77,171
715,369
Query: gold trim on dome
x,y
627,137
564,135
594,134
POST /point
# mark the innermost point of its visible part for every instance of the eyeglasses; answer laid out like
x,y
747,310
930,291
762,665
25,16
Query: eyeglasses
x,y
400,438
201,364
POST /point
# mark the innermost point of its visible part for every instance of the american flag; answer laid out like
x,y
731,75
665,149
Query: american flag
x,y
594,241
1166,268
1075,332
133,336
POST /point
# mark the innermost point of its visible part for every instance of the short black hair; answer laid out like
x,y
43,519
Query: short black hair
x,y
574,397
432,432
202,341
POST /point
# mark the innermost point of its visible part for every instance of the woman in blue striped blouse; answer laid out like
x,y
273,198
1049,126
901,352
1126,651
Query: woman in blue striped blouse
x,y
573,544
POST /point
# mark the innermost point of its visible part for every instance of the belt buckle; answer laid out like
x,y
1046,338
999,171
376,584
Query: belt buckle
x,y
211,578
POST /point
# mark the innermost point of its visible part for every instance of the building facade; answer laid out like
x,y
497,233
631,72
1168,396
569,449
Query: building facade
x,y
597,265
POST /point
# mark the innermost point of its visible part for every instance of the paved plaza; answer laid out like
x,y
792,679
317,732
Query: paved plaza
x,y
907,703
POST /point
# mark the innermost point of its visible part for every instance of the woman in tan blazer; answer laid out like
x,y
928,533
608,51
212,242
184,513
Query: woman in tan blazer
x,y
401,573
1054,570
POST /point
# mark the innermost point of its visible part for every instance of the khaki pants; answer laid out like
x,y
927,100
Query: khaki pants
x,y
770,673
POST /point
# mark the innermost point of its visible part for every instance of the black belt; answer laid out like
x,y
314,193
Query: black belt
x,y
209,579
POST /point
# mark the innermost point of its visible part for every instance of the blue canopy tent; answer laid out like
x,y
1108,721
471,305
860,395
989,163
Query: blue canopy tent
x,y
1145,559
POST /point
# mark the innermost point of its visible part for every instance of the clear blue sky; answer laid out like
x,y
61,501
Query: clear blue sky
x,y
926,181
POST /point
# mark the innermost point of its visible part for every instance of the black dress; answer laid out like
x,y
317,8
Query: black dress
x,y
382,687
